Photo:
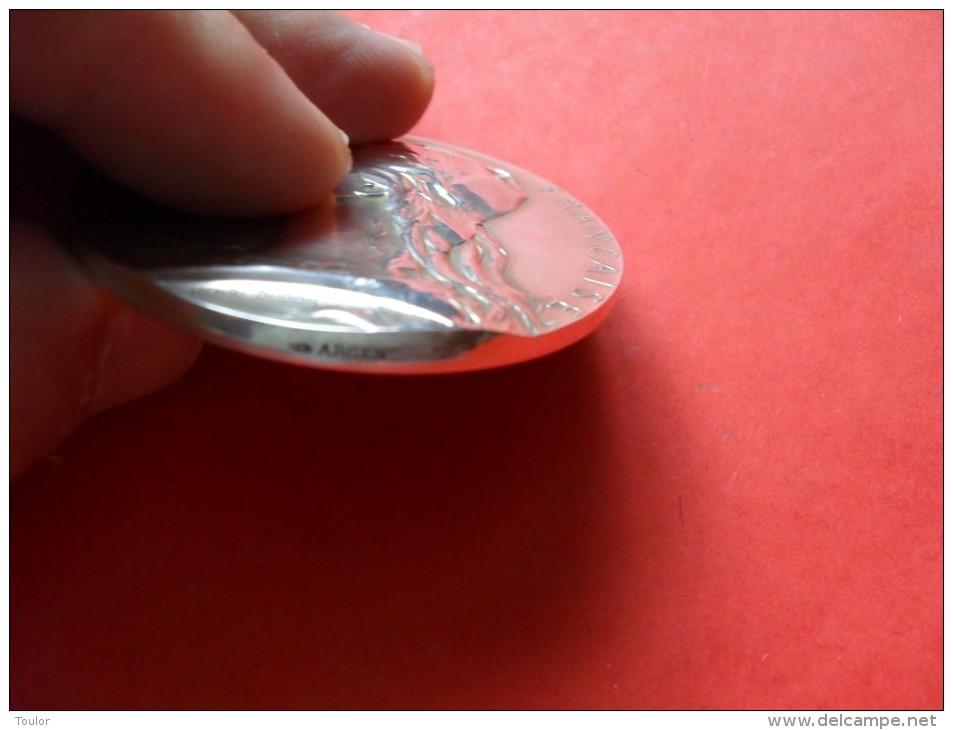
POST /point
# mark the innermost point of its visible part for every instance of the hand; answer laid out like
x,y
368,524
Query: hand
x,y
215,112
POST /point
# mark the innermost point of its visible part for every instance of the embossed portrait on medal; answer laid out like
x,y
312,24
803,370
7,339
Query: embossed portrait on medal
x,y
419,216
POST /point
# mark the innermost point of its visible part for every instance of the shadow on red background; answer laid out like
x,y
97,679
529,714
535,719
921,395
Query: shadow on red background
x,y
315,540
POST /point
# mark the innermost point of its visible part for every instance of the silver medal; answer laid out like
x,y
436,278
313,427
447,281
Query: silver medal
x,y
429,259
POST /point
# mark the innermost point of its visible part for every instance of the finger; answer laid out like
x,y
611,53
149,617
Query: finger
x,y
372,86
185,107
74,350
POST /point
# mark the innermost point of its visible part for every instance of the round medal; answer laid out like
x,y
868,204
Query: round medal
x,y
430,258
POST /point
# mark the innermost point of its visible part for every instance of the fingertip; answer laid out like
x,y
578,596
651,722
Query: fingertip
x,y
390,82
372,85
405,88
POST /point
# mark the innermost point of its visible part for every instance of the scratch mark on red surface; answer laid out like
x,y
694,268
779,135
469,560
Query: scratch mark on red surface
x,y
731,480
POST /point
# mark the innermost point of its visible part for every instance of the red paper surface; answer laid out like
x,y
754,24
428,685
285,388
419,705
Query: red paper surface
x,y
728,497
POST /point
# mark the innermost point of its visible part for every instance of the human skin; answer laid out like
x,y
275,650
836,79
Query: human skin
x,y
222,113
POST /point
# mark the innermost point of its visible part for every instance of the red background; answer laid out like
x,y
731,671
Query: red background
x,y
728,497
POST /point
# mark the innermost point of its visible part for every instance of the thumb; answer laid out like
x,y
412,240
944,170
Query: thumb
x,y
74,350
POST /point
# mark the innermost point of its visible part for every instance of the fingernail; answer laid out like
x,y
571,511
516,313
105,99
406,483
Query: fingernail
x,y
347,140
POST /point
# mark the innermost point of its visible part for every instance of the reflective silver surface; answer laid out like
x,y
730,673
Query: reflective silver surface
x,y
429,259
